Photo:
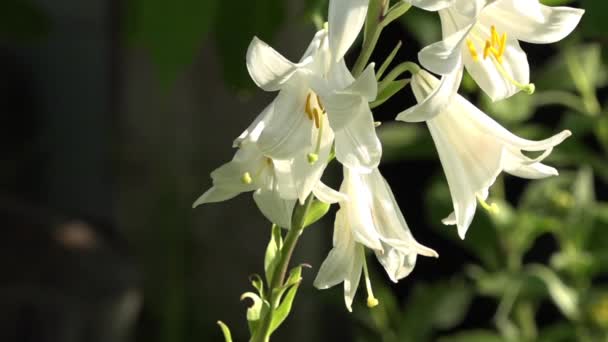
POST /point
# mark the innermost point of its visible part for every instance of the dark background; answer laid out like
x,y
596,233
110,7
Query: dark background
x,y
113,115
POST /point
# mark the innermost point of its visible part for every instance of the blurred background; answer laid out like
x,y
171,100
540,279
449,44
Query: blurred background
x,y
115,112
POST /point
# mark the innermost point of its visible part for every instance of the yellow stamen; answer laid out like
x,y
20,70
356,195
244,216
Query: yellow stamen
x,y
308,108
486,49
317,117
494,35
491,208
320,103
246,178
495,48
371,300
472,50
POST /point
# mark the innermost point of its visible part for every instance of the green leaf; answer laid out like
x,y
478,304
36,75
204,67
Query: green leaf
x,y
559,332
433,306
292,284
587,58
225,331
23,20
387,62
172,33
238,22
473,336
425,26
317,210
273,255
515,109
594,22
387,92
258,309
564,297
258,284
601,132
405,141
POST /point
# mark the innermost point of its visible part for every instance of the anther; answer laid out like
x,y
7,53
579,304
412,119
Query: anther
x,y
491,208
472,50
246,178
372,301
312,158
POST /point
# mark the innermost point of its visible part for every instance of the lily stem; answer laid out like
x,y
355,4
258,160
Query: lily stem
x,y
278,277
378,17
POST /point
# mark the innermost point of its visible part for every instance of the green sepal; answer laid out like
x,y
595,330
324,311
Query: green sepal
x,y
284,308
388,91
273,252
317,210
225,331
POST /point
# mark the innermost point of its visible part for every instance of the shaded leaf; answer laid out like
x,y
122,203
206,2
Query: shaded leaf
x,y
473,336
238,22
172,32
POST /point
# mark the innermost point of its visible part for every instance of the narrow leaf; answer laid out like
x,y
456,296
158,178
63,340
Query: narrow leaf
x,y
273,254
284,308
317,210
225,331
388,91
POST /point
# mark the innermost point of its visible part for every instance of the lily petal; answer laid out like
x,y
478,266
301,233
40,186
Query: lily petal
x,y
338,263
357,145
532,22
288,129
353,277
487,72
444,56
276,209
430,5
328,195
268,68
441,94
346,19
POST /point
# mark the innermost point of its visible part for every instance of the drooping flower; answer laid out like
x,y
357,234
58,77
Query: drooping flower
x,y
270,180
346,19
319,104
474,149
484,35
369,218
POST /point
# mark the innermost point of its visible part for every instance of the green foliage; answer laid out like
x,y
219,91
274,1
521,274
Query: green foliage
x,y
316,212
225,331
261,18
273,249
171,33
22,20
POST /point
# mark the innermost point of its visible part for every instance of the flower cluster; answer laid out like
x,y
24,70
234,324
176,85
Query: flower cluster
x,y
322,111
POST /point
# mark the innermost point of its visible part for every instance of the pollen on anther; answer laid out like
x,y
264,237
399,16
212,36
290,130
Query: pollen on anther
x,y
472,50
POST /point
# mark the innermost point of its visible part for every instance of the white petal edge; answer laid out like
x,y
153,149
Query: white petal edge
x,y
346,19
268,68
328,195
436,101
532,22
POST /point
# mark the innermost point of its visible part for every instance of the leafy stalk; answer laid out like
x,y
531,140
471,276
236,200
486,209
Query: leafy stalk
x,y
277,283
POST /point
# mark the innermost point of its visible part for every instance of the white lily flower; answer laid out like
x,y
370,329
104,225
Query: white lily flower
x,y
319,104
484,35
474,149
369,218
250,170
346,19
